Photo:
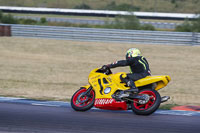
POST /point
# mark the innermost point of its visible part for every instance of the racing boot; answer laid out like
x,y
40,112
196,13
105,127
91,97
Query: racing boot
x,y
126,93
129,83
132,86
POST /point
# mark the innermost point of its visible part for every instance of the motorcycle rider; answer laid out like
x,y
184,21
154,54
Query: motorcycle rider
x,y
139,68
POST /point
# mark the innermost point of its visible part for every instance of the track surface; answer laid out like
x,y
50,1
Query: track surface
x,y
27,118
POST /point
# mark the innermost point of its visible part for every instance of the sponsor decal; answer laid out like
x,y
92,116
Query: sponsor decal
x,y
94,77
104,101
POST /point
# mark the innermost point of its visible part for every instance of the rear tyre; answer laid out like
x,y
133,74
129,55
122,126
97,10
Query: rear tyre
x,y
142,107
81,102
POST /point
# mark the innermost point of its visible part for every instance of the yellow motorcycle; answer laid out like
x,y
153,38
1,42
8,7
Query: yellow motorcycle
x,y
106,91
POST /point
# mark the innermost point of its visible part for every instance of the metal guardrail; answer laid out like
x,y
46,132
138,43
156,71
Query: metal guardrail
x,y
106,35
84,12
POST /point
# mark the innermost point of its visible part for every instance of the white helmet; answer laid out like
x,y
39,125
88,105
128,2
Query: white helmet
x,y
133,52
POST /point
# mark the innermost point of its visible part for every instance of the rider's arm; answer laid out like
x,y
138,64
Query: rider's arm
x,y
118,64
121,63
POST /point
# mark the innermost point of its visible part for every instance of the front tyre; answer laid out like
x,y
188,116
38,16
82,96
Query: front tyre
x,y
81,101
147,106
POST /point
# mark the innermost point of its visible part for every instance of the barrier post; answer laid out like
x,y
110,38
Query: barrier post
x,y
5,30
194,38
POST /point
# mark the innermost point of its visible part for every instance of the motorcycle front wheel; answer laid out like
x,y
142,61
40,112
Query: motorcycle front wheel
x,y
81,101
147,106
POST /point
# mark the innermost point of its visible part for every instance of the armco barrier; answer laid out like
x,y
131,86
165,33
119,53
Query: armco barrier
x,y
107,35
84,12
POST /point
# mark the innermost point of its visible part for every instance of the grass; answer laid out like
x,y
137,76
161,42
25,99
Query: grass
x,y
62,16
181,6
106,19
90,17
50,69
167,106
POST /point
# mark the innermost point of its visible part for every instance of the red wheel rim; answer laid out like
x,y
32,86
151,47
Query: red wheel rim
x,y
147,105
79,101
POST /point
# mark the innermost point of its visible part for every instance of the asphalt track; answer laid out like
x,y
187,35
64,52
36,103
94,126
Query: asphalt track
x,y
22,118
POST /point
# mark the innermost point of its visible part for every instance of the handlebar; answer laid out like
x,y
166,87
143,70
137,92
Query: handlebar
x,y
105,70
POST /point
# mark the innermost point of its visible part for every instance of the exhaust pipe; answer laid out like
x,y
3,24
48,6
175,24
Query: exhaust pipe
x,y
164,99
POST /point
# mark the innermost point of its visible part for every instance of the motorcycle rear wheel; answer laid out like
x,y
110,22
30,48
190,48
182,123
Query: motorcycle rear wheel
x,y
150,106
80,102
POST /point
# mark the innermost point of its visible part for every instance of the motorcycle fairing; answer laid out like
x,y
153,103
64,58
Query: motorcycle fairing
x,y
110,104
97,81
161,81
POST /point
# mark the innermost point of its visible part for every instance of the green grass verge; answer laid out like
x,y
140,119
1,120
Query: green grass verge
x,y
90,17
167,106
180,6
62,16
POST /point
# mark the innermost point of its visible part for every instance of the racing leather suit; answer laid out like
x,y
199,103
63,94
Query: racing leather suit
x,y
139,68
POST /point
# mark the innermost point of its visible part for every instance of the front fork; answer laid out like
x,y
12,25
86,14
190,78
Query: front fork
x,y
87,93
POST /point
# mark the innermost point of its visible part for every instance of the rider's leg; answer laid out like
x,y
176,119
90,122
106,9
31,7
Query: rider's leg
x,y
136,76
130,83
131,77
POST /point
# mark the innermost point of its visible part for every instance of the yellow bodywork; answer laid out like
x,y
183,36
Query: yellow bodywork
x,y
100,81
